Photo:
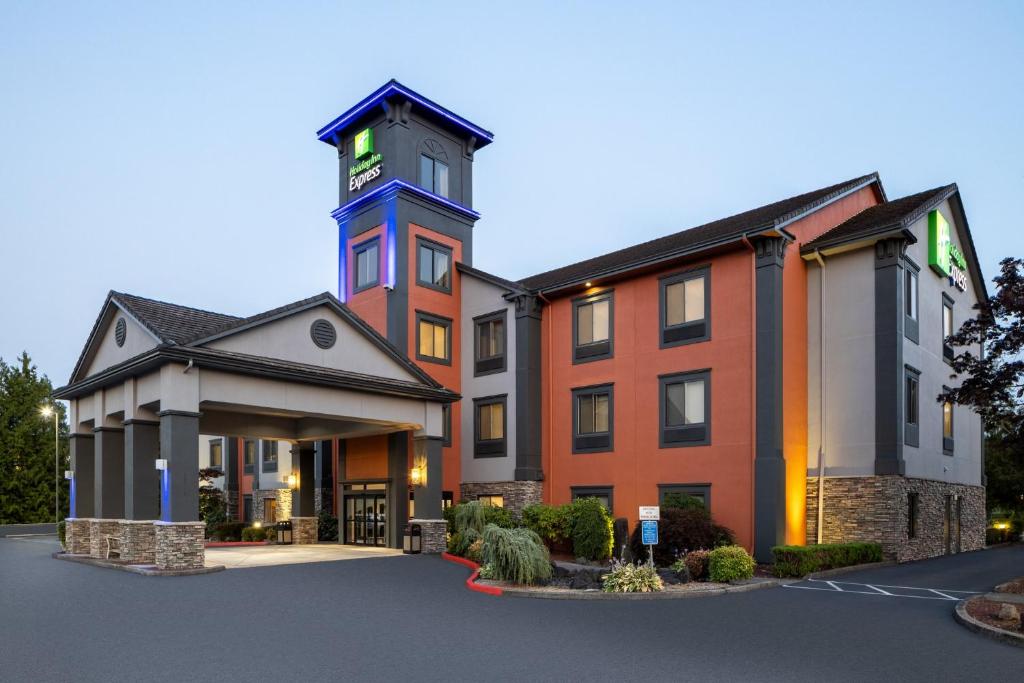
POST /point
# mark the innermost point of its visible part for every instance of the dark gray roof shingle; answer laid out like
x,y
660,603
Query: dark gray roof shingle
x,y
172,323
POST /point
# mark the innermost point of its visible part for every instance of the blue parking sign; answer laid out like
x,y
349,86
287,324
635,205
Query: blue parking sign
x,y
649,532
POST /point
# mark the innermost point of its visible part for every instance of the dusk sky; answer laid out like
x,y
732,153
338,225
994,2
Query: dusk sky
x,y
168,149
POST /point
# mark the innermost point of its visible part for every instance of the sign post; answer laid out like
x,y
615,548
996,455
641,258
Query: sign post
x,y
649,516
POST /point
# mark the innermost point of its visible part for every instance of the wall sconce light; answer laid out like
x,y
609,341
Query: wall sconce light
x,y
161,464
69,474
293,481
418,473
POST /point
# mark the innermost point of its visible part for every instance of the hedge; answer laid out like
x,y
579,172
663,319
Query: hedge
x,y
800,560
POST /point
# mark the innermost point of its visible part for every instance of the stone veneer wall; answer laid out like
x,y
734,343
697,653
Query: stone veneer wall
x,y
76,536
231,501
98,529
304,530
516,494
179,545
284,504
876,509
434,535
138,541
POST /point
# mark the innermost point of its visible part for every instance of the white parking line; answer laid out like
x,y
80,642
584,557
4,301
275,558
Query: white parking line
x,y
879,590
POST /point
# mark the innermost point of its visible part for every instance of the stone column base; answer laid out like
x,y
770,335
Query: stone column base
x,y
435,534
76,535
98,530
138,541
179,545
516,494
304,530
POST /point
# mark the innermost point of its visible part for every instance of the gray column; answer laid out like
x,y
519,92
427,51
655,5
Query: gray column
x,y
769,462
398,492
889,356
232,478
83,463
109,482
427,498
324,467
528,389
304,468
179,486
141,480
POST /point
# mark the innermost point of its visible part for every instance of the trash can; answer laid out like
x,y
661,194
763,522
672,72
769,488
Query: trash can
x,y
413,541
284,533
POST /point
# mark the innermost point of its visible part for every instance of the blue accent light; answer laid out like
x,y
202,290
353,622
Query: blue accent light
x,y
392,241
72,497
342,213
342,261
393,87
165,495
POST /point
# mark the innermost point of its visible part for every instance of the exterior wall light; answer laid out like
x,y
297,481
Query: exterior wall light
x,y
161,464
293,481
418,473
257,524
415,476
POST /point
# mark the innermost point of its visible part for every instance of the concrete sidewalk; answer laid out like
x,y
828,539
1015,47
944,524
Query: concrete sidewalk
x,y
270,555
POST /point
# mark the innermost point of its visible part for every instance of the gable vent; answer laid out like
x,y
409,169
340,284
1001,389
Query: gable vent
x,y
120,331
323,333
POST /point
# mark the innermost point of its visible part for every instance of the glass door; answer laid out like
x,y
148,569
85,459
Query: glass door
x,y
366,518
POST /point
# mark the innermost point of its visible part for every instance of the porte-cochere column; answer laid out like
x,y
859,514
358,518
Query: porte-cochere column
x,y
179,534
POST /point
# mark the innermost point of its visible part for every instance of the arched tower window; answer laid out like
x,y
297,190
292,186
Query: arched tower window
x,y
434,167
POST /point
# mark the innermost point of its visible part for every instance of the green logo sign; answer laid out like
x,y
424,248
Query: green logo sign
x,y
943,256
364,143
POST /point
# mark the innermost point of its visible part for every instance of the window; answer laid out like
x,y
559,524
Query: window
x,y
685,303
592,419
270,456
367,263
216,454
910,302
433,338
701,492
947,425
434,175
489,344
446,424
489,426
912,512
250,458
684,406
912,405
247,507
434,265
447,499
947,328
488,499
592,324
602,493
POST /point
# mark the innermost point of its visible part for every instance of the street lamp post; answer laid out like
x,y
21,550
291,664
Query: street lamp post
x,y
48,410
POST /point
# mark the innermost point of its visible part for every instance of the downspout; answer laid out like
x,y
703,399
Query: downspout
x,y
822,394
548,480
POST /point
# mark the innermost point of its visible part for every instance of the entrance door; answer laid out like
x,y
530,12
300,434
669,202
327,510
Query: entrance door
x,y
366,518
947,526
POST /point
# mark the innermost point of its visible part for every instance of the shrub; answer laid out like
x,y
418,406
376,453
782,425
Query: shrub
x,y
460,542
680,531
475,551
551,522
515,555
326,526
800,560
498,517
227,531
697,563
486,572
61,532
591,530
255,533
468,516
682,501
631,578
730,563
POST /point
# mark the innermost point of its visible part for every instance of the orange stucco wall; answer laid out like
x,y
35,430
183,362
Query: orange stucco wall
x,y
366,457
637,465
370,304
448,306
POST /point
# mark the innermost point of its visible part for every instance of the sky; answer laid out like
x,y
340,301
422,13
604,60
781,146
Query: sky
x,y
168,149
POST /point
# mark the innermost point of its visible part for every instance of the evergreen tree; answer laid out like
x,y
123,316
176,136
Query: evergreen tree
x,y
26,446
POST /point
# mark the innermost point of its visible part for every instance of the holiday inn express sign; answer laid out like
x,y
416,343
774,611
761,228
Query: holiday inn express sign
x,y
368,165
943,256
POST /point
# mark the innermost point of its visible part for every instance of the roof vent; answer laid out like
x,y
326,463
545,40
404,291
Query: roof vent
x,y
323,333
120,331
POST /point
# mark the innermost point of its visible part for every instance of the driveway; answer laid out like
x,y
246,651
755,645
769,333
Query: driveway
x,y
411,618
239,557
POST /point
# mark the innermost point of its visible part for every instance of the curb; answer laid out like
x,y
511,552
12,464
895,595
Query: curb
x,y
964,619
234,544
594,594
471,583
839,571
141,569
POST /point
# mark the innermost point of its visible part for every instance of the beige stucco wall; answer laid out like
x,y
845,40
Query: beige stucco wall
x,y
137,340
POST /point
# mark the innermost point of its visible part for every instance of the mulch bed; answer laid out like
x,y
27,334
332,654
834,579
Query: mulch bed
x,y
987,611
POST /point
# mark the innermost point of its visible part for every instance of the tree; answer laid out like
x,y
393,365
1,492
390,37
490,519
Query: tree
x,y
212,506
26,446
993,382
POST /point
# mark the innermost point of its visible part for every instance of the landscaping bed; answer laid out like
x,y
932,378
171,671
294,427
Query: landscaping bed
x,y
998,615
992,613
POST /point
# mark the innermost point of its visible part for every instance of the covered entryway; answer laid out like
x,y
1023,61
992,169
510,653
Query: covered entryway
x,y
154,376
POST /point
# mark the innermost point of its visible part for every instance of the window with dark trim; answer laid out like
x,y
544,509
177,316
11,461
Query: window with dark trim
x,y
434,175
490,340
217,454
947,425
269,456
701,492
489,426
491,499
249,461
602,493
947,328
910,301
366,261
433,265
911,405
593,419
446,424
433,338
912,514
685,308
447,499
593,327
685,409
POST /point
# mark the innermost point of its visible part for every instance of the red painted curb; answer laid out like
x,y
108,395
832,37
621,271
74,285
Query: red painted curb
x,y
233,544
471,583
